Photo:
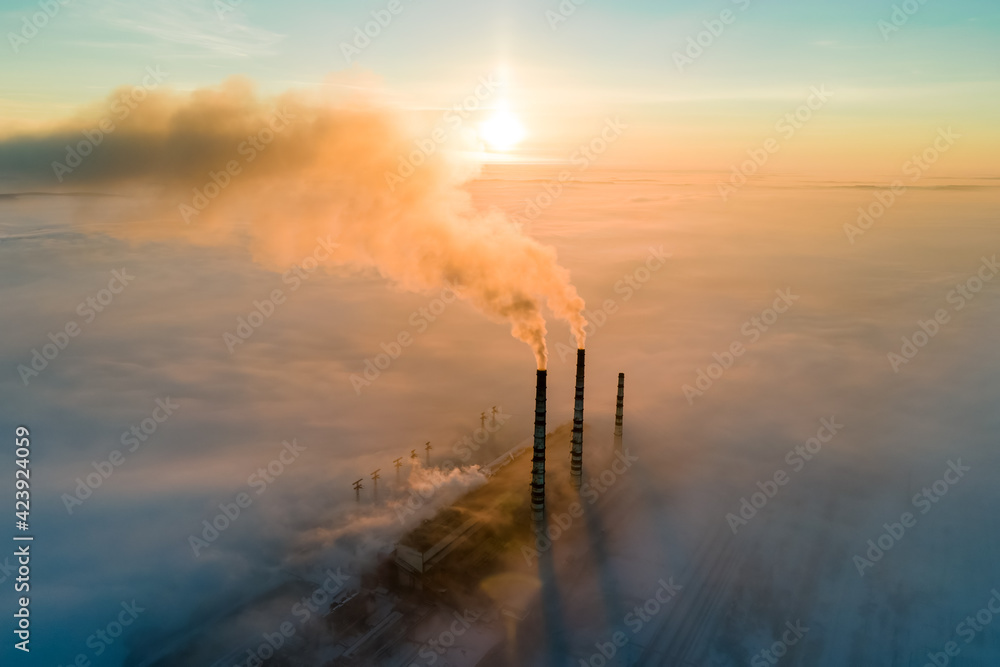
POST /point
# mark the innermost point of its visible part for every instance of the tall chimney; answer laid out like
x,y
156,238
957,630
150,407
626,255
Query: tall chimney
x,y
576,455
621,399
538,460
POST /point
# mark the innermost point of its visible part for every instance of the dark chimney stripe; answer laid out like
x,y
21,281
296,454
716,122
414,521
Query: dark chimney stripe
x,y
621,400
538,459
576,456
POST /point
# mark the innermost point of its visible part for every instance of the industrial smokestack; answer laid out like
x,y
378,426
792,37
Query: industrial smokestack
x,y
576,455
621,400
538,460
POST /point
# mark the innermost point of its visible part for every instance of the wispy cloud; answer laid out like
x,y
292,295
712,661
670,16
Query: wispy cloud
x,y
193,23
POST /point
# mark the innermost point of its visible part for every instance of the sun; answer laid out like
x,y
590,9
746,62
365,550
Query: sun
x,y
503,131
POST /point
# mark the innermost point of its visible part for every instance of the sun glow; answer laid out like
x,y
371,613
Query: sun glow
x,y
503,131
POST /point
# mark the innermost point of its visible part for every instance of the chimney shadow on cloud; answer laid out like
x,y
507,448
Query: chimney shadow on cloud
x,y
607,579
556,646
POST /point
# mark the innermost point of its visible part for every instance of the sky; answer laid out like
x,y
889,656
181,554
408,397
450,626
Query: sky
x,y
890,88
